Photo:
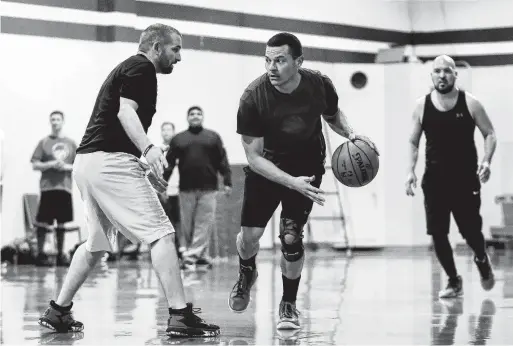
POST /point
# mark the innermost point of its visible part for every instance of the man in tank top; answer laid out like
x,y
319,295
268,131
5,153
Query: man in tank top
x,y
452,179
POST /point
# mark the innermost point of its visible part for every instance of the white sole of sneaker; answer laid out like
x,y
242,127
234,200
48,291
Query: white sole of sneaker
x,y
288,334
452,296
188,333
284,325
239,312
46,325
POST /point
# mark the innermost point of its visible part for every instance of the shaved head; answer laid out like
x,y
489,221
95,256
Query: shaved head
x,y
444,74
444,61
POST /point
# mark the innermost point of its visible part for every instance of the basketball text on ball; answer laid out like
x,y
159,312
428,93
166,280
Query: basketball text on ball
x,y
359,162
347,174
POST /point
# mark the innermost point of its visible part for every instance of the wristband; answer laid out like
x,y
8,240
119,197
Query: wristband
x,y
147,149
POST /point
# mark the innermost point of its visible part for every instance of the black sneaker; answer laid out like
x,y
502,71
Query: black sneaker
x,y
240,294
454,288
187,324
60,319
486,273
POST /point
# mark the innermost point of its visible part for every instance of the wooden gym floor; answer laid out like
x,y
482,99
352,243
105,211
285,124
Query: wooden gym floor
x,y
386,298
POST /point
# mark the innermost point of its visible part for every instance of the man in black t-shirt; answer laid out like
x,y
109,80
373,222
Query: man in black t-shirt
x,y
279,119
201,157
118,189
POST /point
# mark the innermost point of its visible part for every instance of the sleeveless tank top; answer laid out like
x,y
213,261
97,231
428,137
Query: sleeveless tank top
x,y
450,145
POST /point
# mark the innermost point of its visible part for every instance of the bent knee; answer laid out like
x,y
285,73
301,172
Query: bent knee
x,y
290,238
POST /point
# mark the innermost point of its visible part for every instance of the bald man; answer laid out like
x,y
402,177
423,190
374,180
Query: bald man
x,y
452,179
118,189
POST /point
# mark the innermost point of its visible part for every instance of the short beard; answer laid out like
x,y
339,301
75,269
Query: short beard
x,y
446,90
165,68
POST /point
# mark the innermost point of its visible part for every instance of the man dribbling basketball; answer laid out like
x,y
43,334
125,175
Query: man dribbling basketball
x,y
452,178
279,118
117,194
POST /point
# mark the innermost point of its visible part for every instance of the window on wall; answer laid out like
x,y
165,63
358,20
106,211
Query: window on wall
x,y
359,80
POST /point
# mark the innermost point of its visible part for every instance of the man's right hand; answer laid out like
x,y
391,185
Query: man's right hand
x,y
156,160
303,186
159,184
411,183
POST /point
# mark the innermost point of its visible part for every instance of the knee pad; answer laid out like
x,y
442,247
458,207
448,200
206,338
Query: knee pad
x,y
292,250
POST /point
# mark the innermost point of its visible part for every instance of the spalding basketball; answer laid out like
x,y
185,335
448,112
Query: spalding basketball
x,y
355,164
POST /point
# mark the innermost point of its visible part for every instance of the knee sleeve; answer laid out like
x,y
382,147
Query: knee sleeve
x,y
291,236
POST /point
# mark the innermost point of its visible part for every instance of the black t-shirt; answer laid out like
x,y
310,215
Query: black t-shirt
x,y
289,123
135,79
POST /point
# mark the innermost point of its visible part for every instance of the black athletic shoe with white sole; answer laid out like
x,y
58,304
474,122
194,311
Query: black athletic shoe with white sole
x,y
486,273
60,319
188,324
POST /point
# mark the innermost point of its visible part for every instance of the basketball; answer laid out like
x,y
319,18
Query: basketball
x,y
355,164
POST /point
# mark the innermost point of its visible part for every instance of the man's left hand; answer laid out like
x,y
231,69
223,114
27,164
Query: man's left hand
x,y
484,171
365,139
227,190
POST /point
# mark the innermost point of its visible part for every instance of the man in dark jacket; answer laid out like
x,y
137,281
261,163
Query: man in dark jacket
x,y
201,156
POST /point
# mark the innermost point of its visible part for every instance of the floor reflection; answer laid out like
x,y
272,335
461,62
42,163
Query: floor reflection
x,y
386,298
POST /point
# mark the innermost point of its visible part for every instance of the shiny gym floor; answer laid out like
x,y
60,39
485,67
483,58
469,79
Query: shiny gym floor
x,y
386,298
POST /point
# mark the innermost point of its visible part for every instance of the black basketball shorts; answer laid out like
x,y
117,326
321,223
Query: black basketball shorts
x,y
461,198
55,205
262,197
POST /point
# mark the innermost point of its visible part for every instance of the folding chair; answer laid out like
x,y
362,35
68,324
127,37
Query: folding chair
x,y
30,206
